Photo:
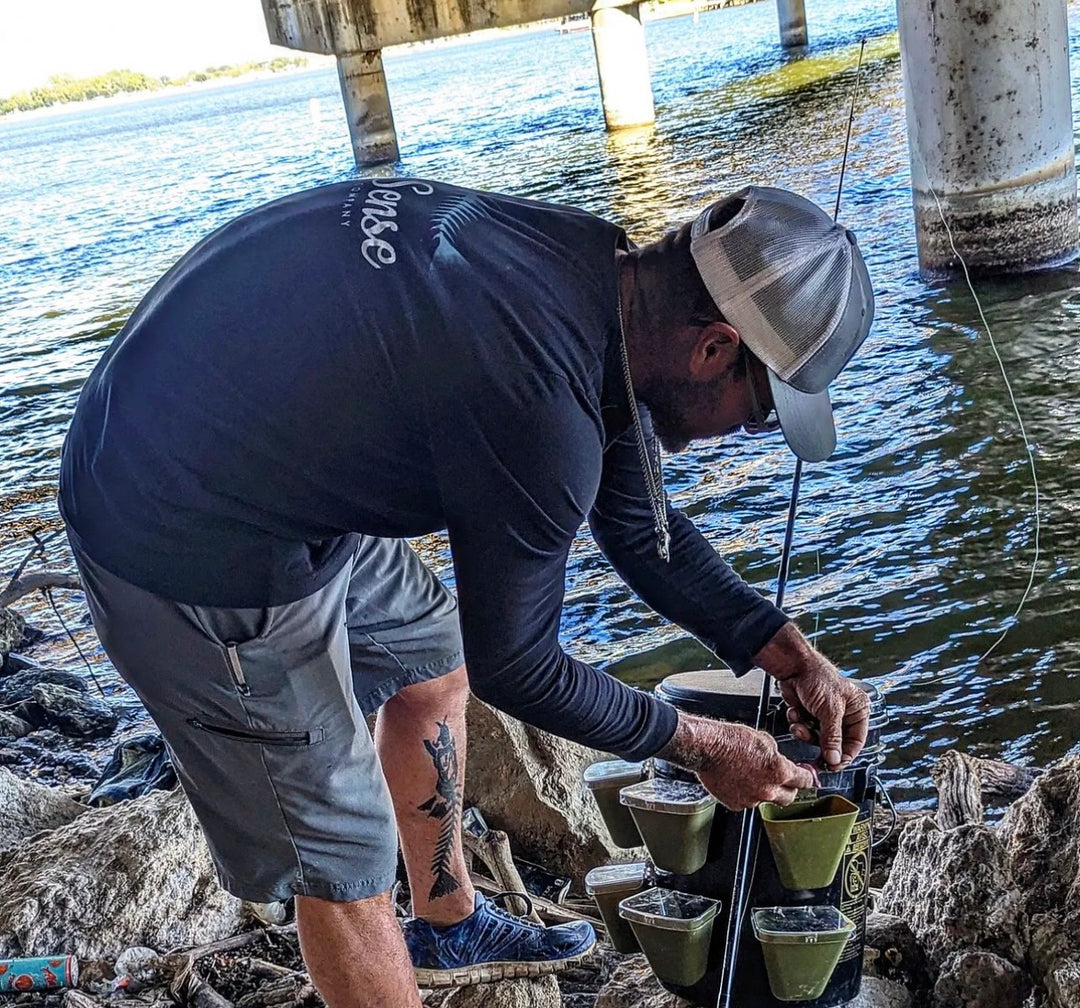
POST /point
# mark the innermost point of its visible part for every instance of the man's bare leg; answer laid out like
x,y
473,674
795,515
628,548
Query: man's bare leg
x,y
420,737
355,953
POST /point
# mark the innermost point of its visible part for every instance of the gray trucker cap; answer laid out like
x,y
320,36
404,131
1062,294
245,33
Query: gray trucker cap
x,y
794,284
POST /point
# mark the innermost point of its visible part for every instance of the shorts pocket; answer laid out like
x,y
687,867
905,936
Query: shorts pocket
x,y
261,736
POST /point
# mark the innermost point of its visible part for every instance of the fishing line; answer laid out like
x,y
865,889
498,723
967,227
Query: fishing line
x,y
749,836
47,592
1019,420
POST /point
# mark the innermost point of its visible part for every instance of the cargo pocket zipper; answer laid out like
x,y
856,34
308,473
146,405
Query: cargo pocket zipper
x,y
282,738
232,656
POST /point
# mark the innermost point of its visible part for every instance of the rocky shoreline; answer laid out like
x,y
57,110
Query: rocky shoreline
x,y
965,914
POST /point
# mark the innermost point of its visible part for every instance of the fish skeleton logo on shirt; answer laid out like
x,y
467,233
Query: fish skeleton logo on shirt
x,y
449,218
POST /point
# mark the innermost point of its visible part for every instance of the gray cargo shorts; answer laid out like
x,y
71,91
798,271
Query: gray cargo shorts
x,y
263,711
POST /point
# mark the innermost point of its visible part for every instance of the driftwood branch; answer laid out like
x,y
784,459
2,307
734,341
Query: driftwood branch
x,y
545,911
964,781
1005,780
493,848
231,944
959,790
266,970
188,988
284,991
18,587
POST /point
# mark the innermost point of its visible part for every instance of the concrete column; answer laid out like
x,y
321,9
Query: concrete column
x,y
619,40
367,107
989,115
792,17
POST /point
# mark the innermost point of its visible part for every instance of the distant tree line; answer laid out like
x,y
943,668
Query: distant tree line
x,y
63,88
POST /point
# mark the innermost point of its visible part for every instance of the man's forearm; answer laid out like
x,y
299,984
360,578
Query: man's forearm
x,y
692,744
788,654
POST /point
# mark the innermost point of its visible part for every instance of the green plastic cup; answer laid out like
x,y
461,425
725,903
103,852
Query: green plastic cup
x,y
605,780
801,946
674,930
674,819
608,885
808,839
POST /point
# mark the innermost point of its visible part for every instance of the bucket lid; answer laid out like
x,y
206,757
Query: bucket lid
x,y
806,925
661,795
879,711
710,682
669,909
611,772
615,877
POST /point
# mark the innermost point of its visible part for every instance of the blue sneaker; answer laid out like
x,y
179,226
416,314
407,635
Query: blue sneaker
x,y
492,944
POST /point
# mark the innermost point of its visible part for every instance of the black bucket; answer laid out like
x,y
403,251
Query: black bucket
x,y
718,693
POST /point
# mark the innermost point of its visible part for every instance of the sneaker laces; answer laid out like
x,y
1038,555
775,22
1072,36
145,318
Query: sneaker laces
x,y
503,913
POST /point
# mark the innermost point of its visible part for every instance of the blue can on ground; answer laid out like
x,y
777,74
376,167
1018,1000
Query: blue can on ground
x,y
38,973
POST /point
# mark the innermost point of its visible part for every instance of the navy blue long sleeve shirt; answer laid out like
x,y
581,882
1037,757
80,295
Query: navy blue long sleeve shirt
x,y
394,357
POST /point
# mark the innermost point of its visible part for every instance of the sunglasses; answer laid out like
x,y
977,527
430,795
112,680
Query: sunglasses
x,y
761,420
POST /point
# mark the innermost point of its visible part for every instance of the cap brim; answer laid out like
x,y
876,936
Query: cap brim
x,y
806,420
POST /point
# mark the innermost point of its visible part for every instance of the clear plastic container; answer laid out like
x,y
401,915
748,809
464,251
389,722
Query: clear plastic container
x,y
674,930
608,885
605,780
674,819
801,946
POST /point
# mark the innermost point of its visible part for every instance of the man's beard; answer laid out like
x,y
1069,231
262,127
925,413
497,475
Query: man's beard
x,y
667,402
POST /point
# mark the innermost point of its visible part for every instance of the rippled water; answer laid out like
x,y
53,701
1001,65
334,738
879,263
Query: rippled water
x,y
914,543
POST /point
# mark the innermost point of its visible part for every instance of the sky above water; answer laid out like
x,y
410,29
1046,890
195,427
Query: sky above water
x,y
39,38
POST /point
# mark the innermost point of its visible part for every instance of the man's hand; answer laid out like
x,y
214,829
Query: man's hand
x,y
816,692
737,764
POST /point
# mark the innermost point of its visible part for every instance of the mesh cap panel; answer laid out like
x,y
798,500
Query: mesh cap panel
x,y
757,239
802,306
795,286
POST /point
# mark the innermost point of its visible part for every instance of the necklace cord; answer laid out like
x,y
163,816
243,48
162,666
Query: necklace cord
x,y
653,474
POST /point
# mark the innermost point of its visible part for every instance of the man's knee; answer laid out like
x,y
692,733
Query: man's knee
x,y
314,912
445,692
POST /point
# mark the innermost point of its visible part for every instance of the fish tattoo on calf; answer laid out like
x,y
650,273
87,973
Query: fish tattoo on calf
x,y
445,806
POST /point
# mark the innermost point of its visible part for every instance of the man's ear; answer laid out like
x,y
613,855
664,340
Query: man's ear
x,y
714,350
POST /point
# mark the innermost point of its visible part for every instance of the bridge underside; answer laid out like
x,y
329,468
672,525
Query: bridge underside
x,y
987,92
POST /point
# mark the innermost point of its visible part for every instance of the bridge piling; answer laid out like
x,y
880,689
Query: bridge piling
x,y
623,66
989,116
367,107
792,17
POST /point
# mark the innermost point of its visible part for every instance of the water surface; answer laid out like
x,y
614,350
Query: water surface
x,y
914,543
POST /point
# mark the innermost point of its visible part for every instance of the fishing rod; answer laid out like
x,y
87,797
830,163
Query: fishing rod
x,y
749,835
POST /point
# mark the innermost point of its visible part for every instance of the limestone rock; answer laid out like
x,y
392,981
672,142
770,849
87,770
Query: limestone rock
x,y
75,713
1063,984
13,727
30,808
956,890
633,984
876,992
528,783
543,992
15,662
892,952
980,980
1041,836
12,627
19,688
137,873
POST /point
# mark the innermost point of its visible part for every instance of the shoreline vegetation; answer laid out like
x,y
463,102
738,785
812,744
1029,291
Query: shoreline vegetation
x,y
66,89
